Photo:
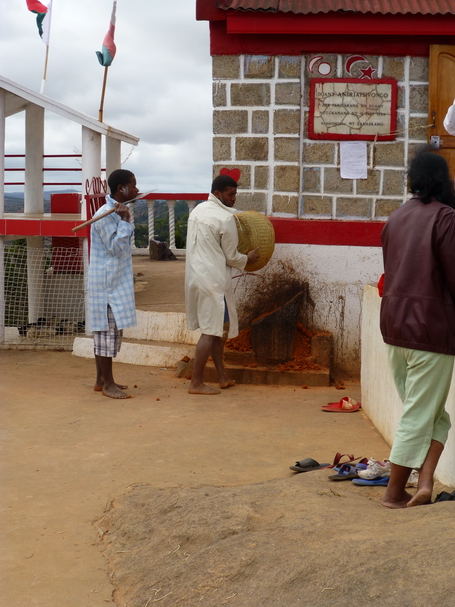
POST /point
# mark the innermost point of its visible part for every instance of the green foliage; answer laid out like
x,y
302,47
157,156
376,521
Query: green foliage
x,y
16,284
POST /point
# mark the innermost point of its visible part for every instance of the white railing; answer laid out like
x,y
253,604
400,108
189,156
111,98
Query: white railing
x,y
170,199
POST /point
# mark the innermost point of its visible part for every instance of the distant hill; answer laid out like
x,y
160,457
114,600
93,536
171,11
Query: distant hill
x,y
14,203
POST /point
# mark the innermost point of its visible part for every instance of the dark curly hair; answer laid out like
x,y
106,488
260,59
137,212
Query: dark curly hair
x,y
119,177
429,178
222,183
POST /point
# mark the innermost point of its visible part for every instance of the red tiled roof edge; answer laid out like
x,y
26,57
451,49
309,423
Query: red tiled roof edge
x,y
305,7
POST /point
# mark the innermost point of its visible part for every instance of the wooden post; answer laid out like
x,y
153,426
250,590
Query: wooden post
x,y
100,113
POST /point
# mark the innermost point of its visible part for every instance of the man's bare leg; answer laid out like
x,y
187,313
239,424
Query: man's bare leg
x,y
99,383
426,475
203,351
217,357
395,495
110,388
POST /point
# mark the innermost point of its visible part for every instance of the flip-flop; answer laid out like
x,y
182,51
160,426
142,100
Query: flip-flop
x,y
381,482
337,460
445,496
346,473
345,405
362,465
307,464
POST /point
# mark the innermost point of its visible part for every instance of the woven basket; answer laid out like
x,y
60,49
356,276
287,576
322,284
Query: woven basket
x,y
255,230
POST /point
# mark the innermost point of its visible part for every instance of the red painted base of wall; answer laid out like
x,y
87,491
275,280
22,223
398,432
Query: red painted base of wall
x,y
327,232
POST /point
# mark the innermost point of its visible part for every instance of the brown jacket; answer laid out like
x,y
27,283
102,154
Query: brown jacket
x,y
418,303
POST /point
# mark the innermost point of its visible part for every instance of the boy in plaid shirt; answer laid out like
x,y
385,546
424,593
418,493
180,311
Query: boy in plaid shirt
x,y
111,304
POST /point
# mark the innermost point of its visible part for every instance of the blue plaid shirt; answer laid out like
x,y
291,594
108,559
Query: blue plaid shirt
x,y
110,274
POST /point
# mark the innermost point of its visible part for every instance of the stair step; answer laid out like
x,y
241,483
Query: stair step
x,y
162,326
140,352
264,375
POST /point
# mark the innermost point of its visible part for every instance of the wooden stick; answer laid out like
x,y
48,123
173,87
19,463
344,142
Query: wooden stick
x,y
100,113
43,83
93,219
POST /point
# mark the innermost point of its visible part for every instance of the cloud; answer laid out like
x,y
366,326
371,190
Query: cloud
x,y
158,87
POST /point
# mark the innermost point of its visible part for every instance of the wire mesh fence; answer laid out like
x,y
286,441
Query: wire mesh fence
x,y
44,294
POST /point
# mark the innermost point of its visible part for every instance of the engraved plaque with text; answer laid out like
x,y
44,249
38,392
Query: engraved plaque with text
x,y
353,109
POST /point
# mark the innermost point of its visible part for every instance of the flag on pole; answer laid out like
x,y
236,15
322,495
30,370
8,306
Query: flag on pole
x,y
107,53
43,18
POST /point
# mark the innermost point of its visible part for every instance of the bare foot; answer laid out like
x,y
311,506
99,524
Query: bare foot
x,y
203,389
114,392
100,388
422,497
227,384
400,503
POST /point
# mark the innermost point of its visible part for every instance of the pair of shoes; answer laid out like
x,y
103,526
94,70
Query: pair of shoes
x,y
376,469
413,479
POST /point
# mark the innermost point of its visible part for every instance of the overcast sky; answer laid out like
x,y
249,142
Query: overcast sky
x,y
158,88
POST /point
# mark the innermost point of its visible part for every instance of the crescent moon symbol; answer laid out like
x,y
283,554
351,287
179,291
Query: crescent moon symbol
x,y
312,63
350,62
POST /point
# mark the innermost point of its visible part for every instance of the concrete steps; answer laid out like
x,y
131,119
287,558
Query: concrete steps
x,y
161,339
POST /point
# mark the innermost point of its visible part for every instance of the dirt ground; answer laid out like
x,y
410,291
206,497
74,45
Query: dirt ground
x,y
188,500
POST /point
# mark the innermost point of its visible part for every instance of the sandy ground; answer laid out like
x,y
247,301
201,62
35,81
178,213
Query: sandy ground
x,y
68,451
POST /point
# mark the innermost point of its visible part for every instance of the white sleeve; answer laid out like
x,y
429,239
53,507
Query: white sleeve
x,y
449,120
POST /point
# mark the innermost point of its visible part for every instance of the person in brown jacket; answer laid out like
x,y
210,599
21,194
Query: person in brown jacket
x,y
418,323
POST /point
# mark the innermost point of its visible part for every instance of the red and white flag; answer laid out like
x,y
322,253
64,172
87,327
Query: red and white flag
x,y
43,18
107,53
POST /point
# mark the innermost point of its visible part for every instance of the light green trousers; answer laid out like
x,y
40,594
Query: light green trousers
x,y
423,382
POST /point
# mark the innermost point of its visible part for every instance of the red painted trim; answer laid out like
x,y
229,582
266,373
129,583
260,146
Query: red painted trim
x,y
222,43
335,136
37,227
290,231
156,196
327,232
339,23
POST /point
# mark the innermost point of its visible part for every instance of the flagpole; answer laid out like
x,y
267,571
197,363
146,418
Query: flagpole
x,y
43,83
100,113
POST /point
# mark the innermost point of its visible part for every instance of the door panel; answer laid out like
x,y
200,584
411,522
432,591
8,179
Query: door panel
x,y
441,95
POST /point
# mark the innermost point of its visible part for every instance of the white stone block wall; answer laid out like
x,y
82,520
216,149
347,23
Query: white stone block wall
x,y
260,118
380,400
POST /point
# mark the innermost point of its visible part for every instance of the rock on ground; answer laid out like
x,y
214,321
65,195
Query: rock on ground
x,y
284,543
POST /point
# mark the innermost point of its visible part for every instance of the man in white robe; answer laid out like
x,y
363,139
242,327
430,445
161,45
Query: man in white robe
x,y
211,253
449,120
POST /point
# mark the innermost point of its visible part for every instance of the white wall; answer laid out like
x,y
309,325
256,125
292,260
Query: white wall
x,y
380,400
336,276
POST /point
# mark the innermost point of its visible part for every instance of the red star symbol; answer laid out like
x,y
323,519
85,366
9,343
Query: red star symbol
x,y
368,72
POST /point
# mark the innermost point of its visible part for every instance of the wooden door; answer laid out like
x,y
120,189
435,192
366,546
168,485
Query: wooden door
x,y
441,95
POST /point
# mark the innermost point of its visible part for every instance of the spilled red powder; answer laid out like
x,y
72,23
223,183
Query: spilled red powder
x,y
241,343
302,349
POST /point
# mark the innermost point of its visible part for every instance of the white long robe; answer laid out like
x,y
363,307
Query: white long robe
x,y
211,253
449,120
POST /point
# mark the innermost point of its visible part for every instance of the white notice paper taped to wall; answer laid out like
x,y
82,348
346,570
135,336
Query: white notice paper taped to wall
x,y
353,159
